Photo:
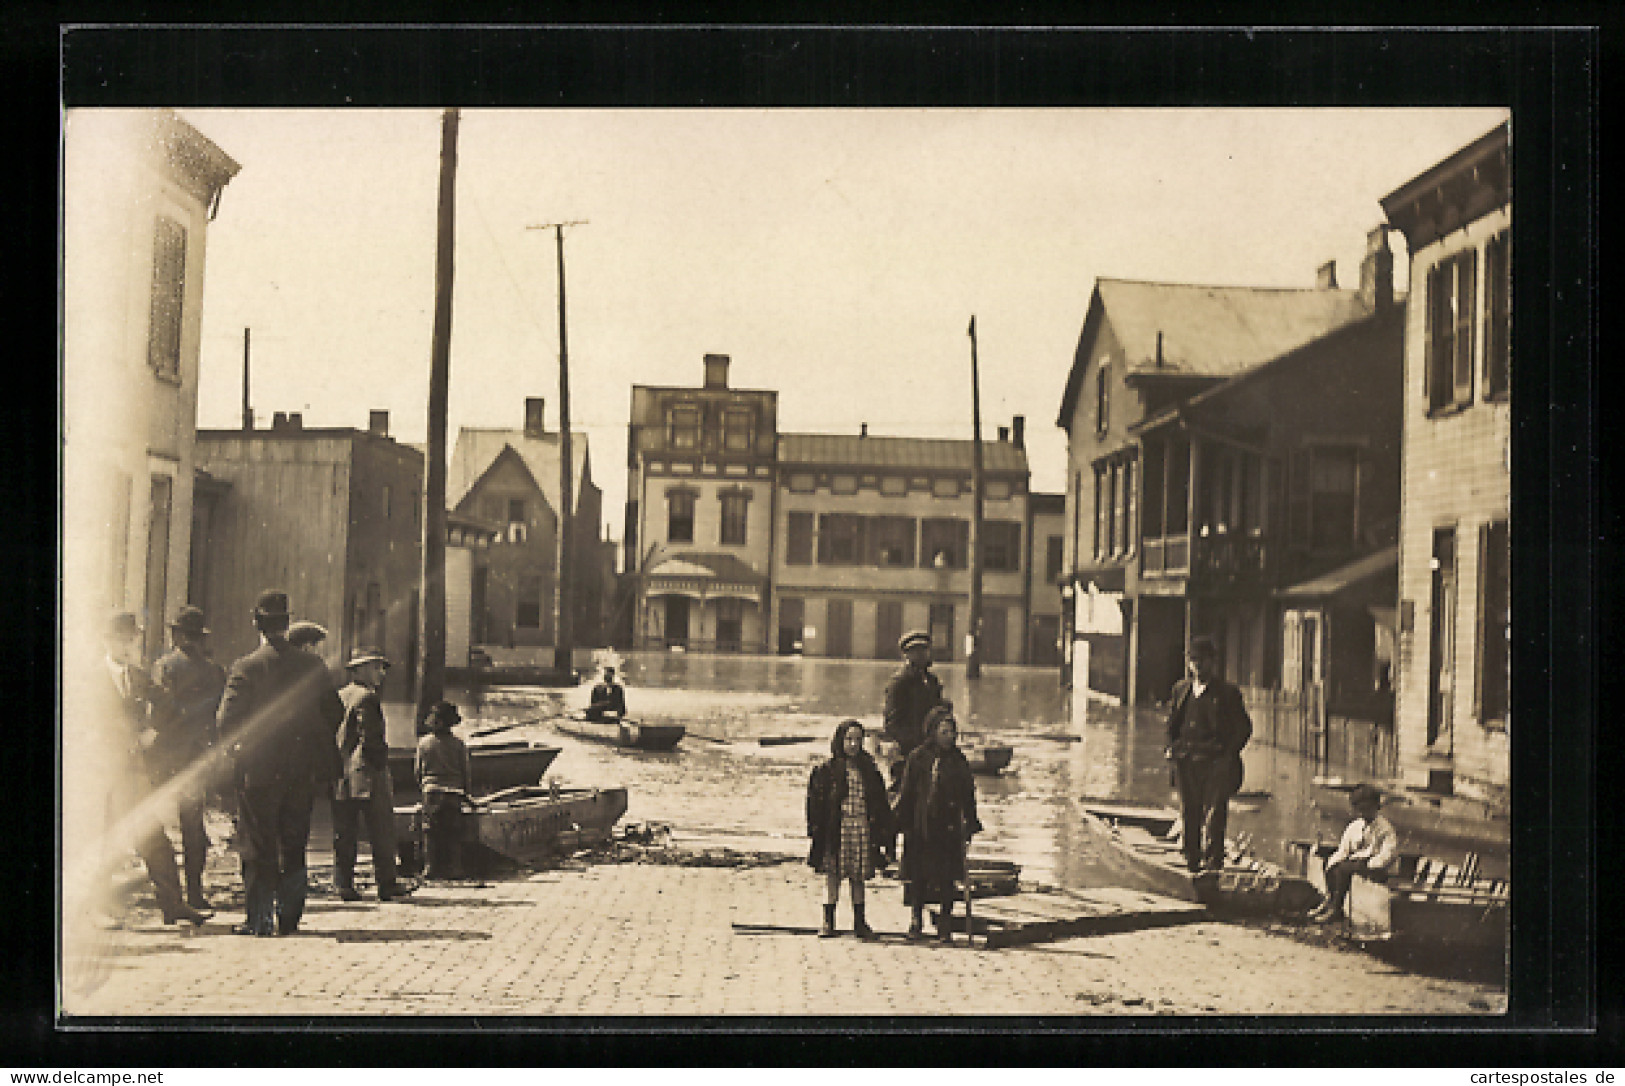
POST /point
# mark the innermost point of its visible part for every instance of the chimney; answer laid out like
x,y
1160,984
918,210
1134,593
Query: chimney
x,y
1159,348
296,421
716,371
1377,271
378,423
535,419
279,420
1018,430
1004,434
1326,276
863,429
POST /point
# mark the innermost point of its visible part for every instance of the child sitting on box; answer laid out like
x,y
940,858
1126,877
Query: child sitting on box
x,y
1369,848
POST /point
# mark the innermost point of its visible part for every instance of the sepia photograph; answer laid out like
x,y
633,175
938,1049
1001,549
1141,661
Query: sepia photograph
x,y
753,562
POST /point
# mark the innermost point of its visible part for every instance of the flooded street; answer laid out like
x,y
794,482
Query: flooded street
x,y
722,787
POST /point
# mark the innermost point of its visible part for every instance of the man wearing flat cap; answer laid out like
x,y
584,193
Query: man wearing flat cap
x,y
277,721
364,792
187,689
910,694
1207,728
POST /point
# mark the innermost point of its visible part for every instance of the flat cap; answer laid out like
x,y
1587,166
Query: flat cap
x,y
306,632
914,639
367,656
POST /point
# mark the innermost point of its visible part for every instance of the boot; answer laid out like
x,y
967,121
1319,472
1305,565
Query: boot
x,y
828,929
916,924
194,890
860,926
176,911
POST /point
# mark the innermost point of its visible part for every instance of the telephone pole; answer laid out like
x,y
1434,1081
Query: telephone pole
x,y
973,654
248,412
432,619
564,626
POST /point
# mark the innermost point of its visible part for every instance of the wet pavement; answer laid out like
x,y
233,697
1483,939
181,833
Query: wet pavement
x,y
722,786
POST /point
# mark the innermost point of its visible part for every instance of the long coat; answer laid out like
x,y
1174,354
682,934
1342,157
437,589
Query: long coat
x,y
362,745
278,717
910,695
826,792
929,814
185,700
1216,738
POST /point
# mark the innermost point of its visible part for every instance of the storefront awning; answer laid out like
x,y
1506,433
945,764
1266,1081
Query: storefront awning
x,y
1333,582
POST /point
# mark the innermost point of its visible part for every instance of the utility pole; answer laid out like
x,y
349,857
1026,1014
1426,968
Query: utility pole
x,y
973,654
248,412
432,617
564,627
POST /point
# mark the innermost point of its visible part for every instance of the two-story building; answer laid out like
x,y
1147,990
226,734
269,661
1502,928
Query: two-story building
x,y
330,515
1046,549
873,538
699,514
1454,615
140,187
1136,509
511,478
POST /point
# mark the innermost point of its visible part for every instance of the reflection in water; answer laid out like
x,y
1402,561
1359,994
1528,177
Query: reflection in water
x,y
722,785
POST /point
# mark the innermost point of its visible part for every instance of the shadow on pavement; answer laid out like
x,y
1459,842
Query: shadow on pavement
x,y
398,935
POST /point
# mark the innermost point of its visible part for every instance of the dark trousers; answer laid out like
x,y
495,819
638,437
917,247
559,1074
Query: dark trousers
x,y
1204,800
443,833
194,842
273,828
378,812
1340,875
150,842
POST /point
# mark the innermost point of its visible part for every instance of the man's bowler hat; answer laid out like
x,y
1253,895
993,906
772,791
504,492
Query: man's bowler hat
x,y
1204,646
190,622
271,604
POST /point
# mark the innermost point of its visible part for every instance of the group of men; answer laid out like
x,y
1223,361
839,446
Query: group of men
x,y
272,732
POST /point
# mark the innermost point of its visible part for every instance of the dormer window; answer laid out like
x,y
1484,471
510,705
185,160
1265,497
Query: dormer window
x,y
683,427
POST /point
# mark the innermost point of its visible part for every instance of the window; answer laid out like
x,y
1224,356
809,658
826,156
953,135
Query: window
x,y
1052,559
1119,508
1450,331
516,511
1102,398
944,543
730,624
997,490
736,429
945,486
891,542
527,610
1105,501
386,501
1334,476
840,539
1497,316
1130,511
683,427
843,484
734,508
1494,623
168,298
803,483
798,540
1001,545
680,516
893,485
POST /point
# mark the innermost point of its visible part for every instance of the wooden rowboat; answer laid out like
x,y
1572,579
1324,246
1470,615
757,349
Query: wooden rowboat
x,y
528,824
626,734
494,766
1427,903
1136,843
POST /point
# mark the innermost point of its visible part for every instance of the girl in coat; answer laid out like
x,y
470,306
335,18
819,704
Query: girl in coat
x,y
849,821
936,810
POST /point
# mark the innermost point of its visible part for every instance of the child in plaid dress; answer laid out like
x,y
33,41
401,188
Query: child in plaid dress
x,y
849,821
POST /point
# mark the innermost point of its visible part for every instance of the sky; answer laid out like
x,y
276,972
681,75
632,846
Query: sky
x,y
836,256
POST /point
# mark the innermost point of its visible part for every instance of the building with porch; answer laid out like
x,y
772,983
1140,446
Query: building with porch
x,y
1161,543
1454,614
872,538
699,514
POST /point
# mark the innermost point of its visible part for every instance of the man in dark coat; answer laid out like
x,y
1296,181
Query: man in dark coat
x,y
131,733
364,792
188,686
1207,727
910,694
607,697
277,721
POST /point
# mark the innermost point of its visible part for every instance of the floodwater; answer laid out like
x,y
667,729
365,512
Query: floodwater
x,y
722,787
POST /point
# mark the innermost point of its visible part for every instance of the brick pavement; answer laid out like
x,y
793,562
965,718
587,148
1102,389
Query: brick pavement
x,y
653,939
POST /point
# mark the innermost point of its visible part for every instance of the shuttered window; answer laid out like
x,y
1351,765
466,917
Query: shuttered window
x,y
798,539
840,539
1450,316
168,297
1495,623
1002,546
1497,317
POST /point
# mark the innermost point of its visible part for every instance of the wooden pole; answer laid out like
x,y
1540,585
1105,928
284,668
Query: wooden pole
x,y
248,412
973,655
564,632
432,615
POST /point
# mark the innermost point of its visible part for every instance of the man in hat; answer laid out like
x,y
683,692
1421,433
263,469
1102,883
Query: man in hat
x,y
607,697
277,721
130,738
188,688
364,792
1207,728
910,694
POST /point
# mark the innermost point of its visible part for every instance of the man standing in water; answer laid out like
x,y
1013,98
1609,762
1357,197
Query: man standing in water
x,y
1207,727
910,694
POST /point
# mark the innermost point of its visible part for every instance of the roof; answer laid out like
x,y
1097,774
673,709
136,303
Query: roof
x,y
1205,331
711,567
1041,503
1453,191
478,448
850,450
1331,583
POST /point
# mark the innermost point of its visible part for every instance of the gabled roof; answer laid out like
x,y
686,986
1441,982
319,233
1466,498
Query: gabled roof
x,y
850,450
478,448
1205,331
727,568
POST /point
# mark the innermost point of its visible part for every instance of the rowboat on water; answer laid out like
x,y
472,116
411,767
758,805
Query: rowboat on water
x,y
494,765
1426,903
527,824
626,734
1138,844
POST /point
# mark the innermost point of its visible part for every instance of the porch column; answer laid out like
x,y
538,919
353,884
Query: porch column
x,y
1131,681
